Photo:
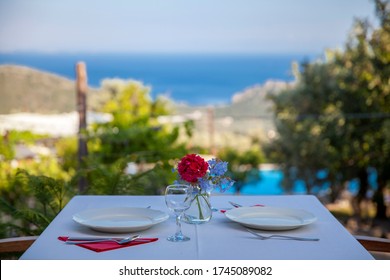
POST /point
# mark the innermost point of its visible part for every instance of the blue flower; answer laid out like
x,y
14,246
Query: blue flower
x,y
205,184
217,167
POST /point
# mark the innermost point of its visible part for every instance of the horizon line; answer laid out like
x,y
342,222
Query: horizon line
x,y
311,53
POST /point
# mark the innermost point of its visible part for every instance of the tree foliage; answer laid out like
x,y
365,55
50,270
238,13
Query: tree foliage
x,y
133,135
42,199
337,116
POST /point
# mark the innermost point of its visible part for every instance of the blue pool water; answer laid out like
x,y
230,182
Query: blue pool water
x,y
270,184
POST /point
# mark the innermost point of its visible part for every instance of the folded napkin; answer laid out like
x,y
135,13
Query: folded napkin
x,y
110,245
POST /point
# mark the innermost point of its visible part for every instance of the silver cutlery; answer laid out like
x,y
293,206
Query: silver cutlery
x,y
278,236
84,240
235,204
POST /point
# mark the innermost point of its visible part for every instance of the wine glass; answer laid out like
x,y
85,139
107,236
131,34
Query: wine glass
x,y
178,198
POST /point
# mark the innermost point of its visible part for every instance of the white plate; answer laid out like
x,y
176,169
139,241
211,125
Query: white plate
x,y
270,218
122,219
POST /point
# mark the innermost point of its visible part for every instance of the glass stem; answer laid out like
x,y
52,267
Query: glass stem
x,y
178,225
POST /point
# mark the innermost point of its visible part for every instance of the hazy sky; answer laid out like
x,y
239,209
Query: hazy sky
x,y
254,26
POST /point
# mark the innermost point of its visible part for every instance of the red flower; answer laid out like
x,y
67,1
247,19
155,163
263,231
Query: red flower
x,y
192,167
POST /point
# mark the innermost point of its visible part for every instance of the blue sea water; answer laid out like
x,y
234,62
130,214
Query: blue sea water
x,y
196,79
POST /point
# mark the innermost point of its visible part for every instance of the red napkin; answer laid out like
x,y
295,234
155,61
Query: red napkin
x,y
110,245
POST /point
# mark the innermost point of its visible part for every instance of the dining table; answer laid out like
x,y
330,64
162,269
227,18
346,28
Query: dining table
x,y
221,238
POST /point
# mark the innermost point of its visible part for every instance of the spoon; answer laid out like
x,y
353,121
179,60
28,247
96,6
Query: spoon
x,y
95,240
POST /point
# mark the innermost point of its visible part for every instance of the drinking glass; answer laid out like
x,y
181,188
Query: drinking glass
x,y
178,199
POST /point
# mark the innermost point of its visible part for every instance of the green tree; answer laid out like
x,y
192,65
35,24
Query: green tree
x,y
303,116
336,118
134,135
362,74
40,201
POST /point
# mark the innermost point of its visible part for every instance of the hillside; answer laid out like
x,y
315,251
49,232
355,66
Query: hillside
x,y
251,108
248,116
24,89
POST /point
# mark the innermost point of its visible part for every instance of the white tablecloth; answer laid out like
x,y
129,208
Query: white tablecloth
x,y
218,239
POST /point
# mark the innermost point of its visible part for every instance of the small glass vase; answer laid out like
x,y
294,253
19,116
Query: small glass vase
x,y
200,211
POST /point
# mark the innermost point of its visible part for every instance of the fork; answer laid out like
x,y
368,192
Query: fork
x,y
236,205
278,236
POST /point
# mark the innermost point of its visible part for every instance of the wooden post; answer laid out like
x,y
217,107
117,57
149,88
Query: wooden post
x,y
81,89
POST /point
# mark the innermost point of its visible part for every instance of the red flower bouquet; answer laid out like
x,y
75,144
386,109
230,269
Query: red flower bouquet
x,y
192,167
203,176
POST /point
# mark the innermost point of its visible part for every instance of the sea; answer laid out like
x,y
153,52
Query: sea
x,y
194,79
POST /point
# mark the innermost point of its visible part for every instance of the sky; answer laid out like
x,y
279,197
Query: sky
x,y
178,26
